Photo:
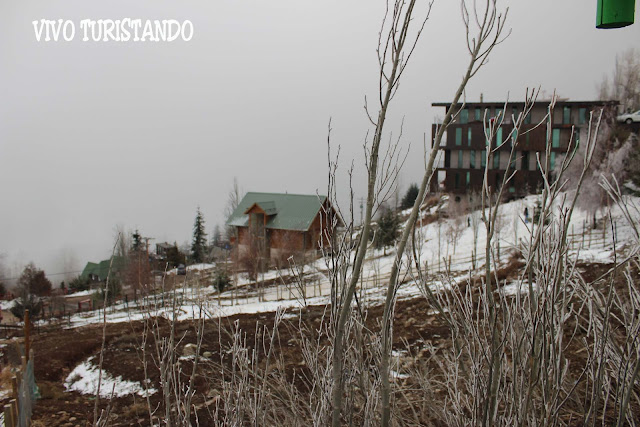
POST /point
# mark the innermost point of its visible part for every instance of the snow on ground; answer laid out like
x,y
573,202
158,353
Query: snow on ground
x,y
84,379
437,244
82,293
593,255
514,288
6,305
200,267
194,267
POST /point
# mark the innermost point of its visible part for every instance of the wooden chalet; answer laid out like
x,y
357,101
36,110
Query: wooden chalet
x,y
98,272
281,225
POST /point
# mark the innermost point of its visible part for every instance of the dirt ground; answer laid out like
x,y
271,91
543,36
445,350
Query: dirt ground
x,y
58,351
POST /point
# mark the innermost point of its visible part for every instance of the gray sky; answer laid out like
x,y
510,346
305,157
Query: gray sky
x,y
140,134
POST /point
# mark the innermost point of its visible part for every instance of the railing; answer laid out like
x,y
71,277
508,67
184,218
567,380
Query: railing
x,y
17,413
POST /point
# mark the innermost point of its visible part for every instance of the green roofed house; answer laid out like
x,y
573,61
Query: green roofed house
x,y
99,272
280,225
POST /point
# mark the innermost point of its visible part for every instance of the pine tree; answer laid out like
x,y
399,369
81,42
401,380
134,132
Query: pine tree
x,y
137,241
387,229
31,286
199,245
410,197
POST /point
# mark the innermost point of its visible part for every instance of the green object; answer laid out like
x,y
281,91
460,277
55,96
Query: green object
x,y
284,211
615,13
101,270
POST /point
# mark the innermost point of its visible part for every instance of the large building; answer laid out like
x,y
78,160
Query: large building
x,y
463,147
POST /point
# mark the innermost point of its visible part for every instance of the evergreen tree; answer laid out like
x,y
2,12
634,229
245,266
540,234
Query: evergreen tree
x,y
79,284
33,281
199,245
113,292
137,241
31,286
410,197
387,229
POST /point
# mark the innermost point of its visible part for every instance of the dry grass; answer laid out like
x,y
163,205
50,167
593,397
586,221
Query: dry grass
x,y
5,378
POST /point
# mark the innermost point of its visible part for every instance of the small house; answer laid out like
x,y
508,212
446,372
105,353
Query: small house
x,y
277,226
99,272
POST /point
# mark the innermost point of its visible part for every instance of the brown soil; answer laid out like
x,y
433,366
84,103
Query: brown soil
x,y
58,351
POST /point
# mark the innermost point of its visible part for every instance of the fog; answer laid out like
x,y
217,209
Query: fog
x,y
99,134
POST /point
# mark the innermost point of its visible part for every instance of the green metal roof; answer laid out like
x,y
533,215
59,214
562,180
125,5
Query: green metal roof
x,y
89,269
269,208
285,211
102,268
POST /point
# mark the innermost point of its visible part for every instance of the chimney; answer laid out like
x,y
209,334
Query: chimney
x,y
481,97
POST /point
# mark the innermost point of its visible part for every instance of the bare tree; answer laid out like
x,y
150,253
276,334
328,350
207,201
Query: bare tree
x,y
397,42
233,200
458,221
624,83
485,26
123,238
610,156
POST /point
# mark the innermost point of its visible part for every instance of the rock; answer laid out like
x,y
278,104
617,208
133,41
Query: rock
x,y
190,350
72,419
410,322
207,354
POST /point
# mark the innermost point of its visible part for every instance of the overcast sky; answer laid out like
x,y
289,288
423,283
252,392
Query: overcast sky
x,y
140,134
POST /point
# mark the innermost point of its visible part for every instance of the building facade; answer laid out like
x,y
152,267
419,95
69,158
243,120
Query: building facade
x,y
465,143
276,226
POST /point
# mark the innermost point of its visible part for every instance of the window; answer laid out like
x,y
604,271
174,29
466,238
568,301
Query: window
x,y
458,136
483,159
447,158
514,112
512,164
566,115
498,112
468,178
514,136
457,181
552,162
460,159
582,116
555,138
464,116
524,162
499,137
469,137
472,159
496,160
478,114
527,118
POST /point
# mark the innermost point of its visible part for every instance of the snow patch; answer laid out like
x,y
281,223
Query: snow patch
x,y
82,293
84,379
6,305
